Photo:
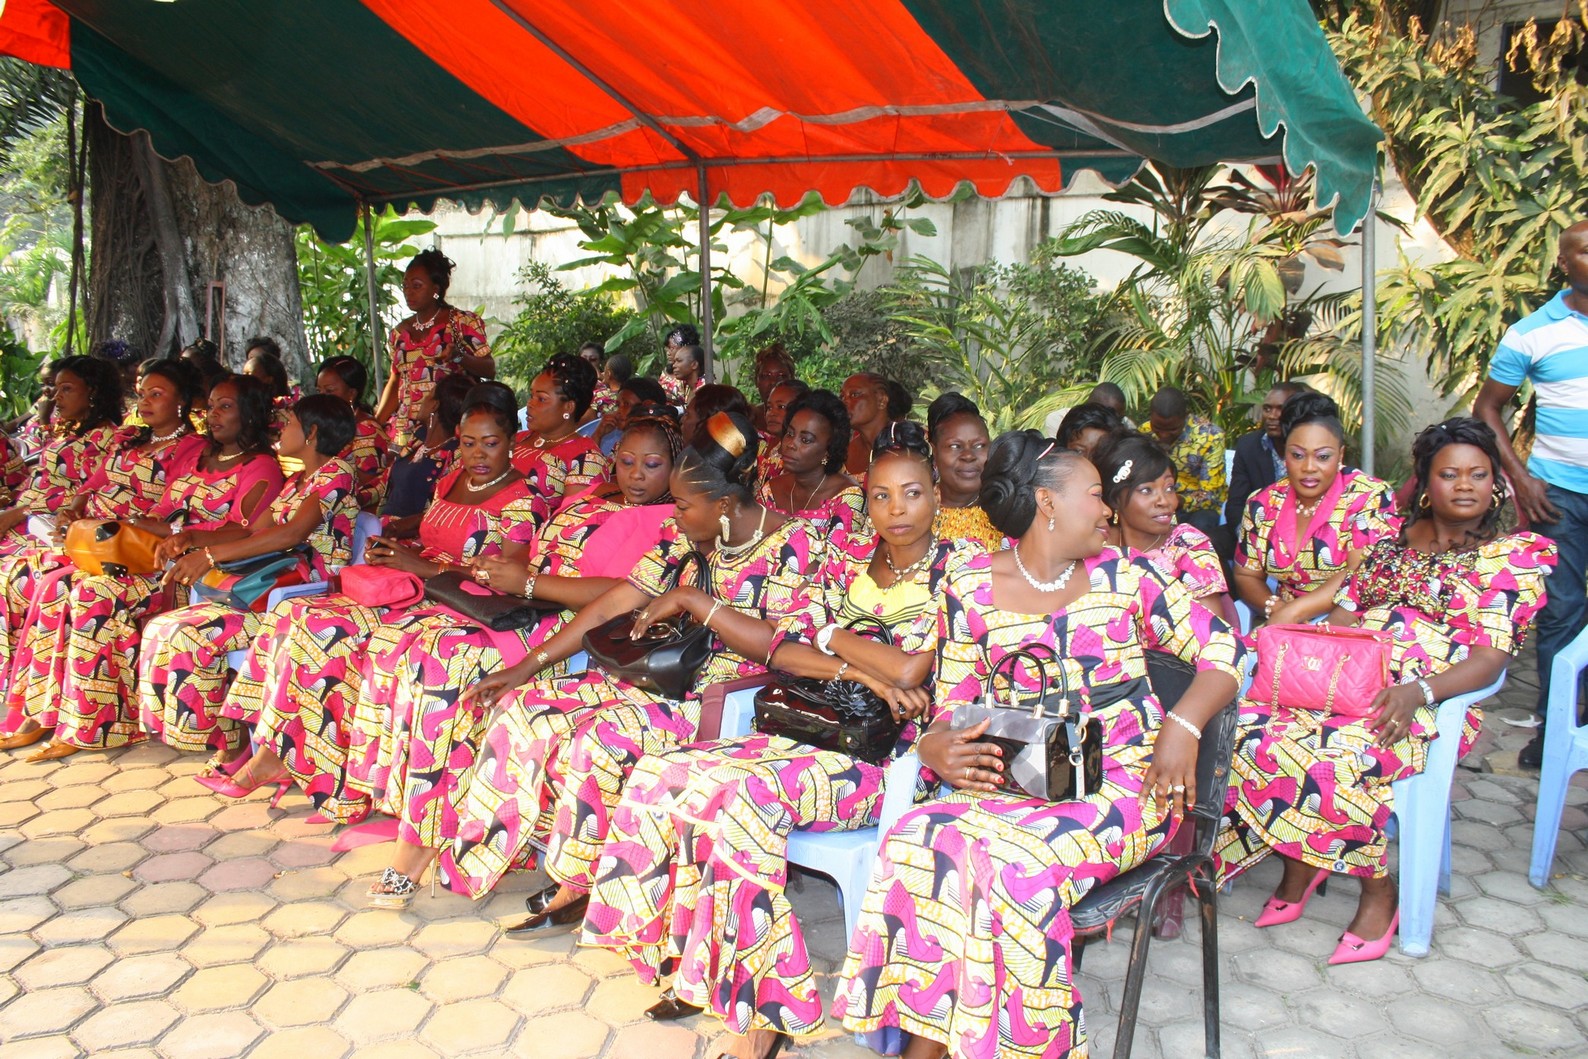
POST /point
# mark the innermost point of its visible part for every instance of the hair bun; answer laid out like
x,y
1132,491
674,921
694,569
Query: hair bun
x,y
1008,484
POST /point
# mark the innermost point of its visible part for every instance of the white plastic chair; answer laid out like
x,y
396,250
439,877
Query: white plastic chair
x,y
1422,815
1565,752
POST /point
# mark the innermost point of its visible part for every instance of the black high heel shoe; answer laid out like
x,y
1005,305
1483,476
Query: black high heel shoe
x,y
778,1041
567,915
536,902
668,1008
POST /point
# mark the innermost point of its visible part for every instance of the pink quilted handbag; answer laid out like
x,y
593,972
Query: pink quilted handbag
x,y
1324,668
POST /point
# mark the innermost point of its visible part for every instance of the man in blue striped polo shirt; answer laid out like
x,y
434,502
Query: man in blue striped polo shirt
x,y
1550,347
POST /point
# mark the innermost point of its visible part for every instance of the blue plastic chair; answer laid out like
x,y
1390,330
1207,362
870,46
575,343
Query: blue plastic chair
x,y
1422,815
1565,752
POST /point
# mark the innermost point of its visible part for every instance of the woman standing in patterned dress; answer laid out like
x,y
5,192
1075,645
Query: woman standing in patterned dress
x,y
1459,599
302,685
1139,488
39,697
553,761
1304,530
559,461
437,339
813,485
346,378
182,674
700,837
426,732
87,412
922,957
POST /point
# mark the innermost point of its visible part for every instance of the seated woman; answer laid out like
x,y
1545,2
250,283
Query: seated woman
x,y
959,449
1306,529
631,393
41,695
922,958
775,424
706,403
412,477
1089,426
424,733
302,687
813,485
1458,598
662,882
346,378
553,761
1139,488
87,411
182,673
558,461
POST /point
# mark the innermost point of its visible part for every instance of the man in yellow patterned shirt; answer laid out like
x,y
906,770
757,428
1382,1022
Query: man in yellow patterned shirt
x,y
1196,445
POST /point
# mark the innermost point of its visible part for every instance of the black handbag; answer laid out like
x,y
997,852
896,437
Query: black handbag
x,y
486,607
668,657
1051,748
841,715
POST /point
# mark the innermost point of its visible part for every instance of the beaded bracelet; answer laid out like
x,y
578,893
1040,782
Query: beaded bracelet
x,y
1196,733
1268,606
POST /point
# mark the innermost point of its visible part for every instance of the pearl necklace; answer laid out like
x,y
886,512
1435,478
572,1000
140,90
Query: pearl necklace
x,y
1307,510
498,480
161,439
901,576
1056,585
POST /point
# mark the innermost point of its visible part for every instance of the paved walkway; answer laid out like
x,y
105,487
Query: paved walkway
x,y
141,915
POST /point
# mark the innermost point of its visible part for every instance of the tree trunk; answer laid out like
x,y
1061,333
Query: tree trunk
x,y
161,235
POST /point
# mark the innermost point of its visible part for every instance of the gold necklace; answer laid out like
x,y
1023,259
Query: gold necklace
x,y
901,576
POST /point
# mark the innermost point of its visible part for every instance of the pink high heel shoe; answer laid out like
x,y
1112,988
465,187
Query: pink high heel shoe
x,y
1276,911
1353,949
228,768
228,787
321,818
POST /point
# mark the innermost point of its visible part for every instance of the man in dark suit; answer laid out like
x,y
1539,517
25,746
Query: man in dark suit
x,y
1259,456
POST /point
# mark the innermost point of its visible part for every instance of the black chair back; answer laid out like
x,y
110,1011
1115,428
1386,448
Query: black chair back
x,y
1170,676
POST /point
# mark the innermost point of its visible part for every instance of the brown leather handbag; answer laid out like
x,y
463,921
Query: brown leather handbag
x,y
100,546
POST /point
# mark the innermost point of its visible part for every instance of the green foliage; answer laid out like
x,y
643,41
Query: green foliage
x,y
332,280
552,318
1005,336
1498,181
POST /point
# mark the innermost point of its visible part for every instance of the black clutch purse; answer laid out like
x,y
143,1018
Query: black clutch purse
x,y
841,715
497,611
1050,749
668,658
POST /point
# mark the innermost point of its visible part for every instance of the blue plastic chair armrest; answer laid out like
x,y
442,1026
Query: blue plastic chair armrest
x,y
738,714
898,791
313,588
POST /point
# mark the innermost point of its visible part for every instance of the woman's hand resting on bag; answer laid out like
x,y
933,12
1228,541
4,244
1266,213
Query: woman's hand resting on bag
x,y
188,569
906,704
500,574
383,552
173,546
682,600
960,760
1391,717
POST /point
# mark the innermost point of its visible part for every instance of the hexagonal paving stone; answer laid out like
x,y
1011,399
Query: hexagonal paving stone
x,y
1559,949
23,790
140,1022
220,988
13,814
303,855
56,850
304,918
572,1035
177,838
19,914
236,845
246,815
619,999
305,1002
129,803
110,856
36,879
471,1025
373,928
463,979
135,779
93,890
382,1014
1434,1020
224,909
376,968
215,946
459,937
644,1040
1536,1029
162,898
301,957
1546,985
40,1011
70,798
537,990
16,948
123,829
396,1050
187,811
153,934
249,873
43,1048
69,965
58,822
315,1042
310,882
81,924
219,1035
82,773
140,976
173,867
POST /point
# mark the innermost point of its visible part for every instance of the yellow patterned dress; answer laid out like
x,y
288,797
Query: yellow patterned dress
x,y
968,524
552,765
700,838
964,936
1315,787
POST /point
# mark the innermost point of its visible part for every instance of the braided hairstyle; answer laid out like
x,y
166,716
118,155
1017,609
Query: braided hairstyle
x,y
1021,462
905,437
1461,430
575,380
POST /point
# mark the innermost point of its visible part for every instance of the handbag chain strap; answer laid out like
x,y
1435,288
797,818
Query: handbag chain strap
x,y
1279,666
1334,681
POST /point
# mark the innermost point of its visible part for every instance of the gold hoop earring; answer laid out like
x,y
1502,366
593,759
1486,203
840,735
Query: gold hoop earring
x,y
1498,501
1423,503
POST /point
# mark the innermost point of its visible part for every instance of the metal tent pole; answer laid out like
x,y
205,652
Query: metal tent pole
x,y
705,271
1369,326
372,284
